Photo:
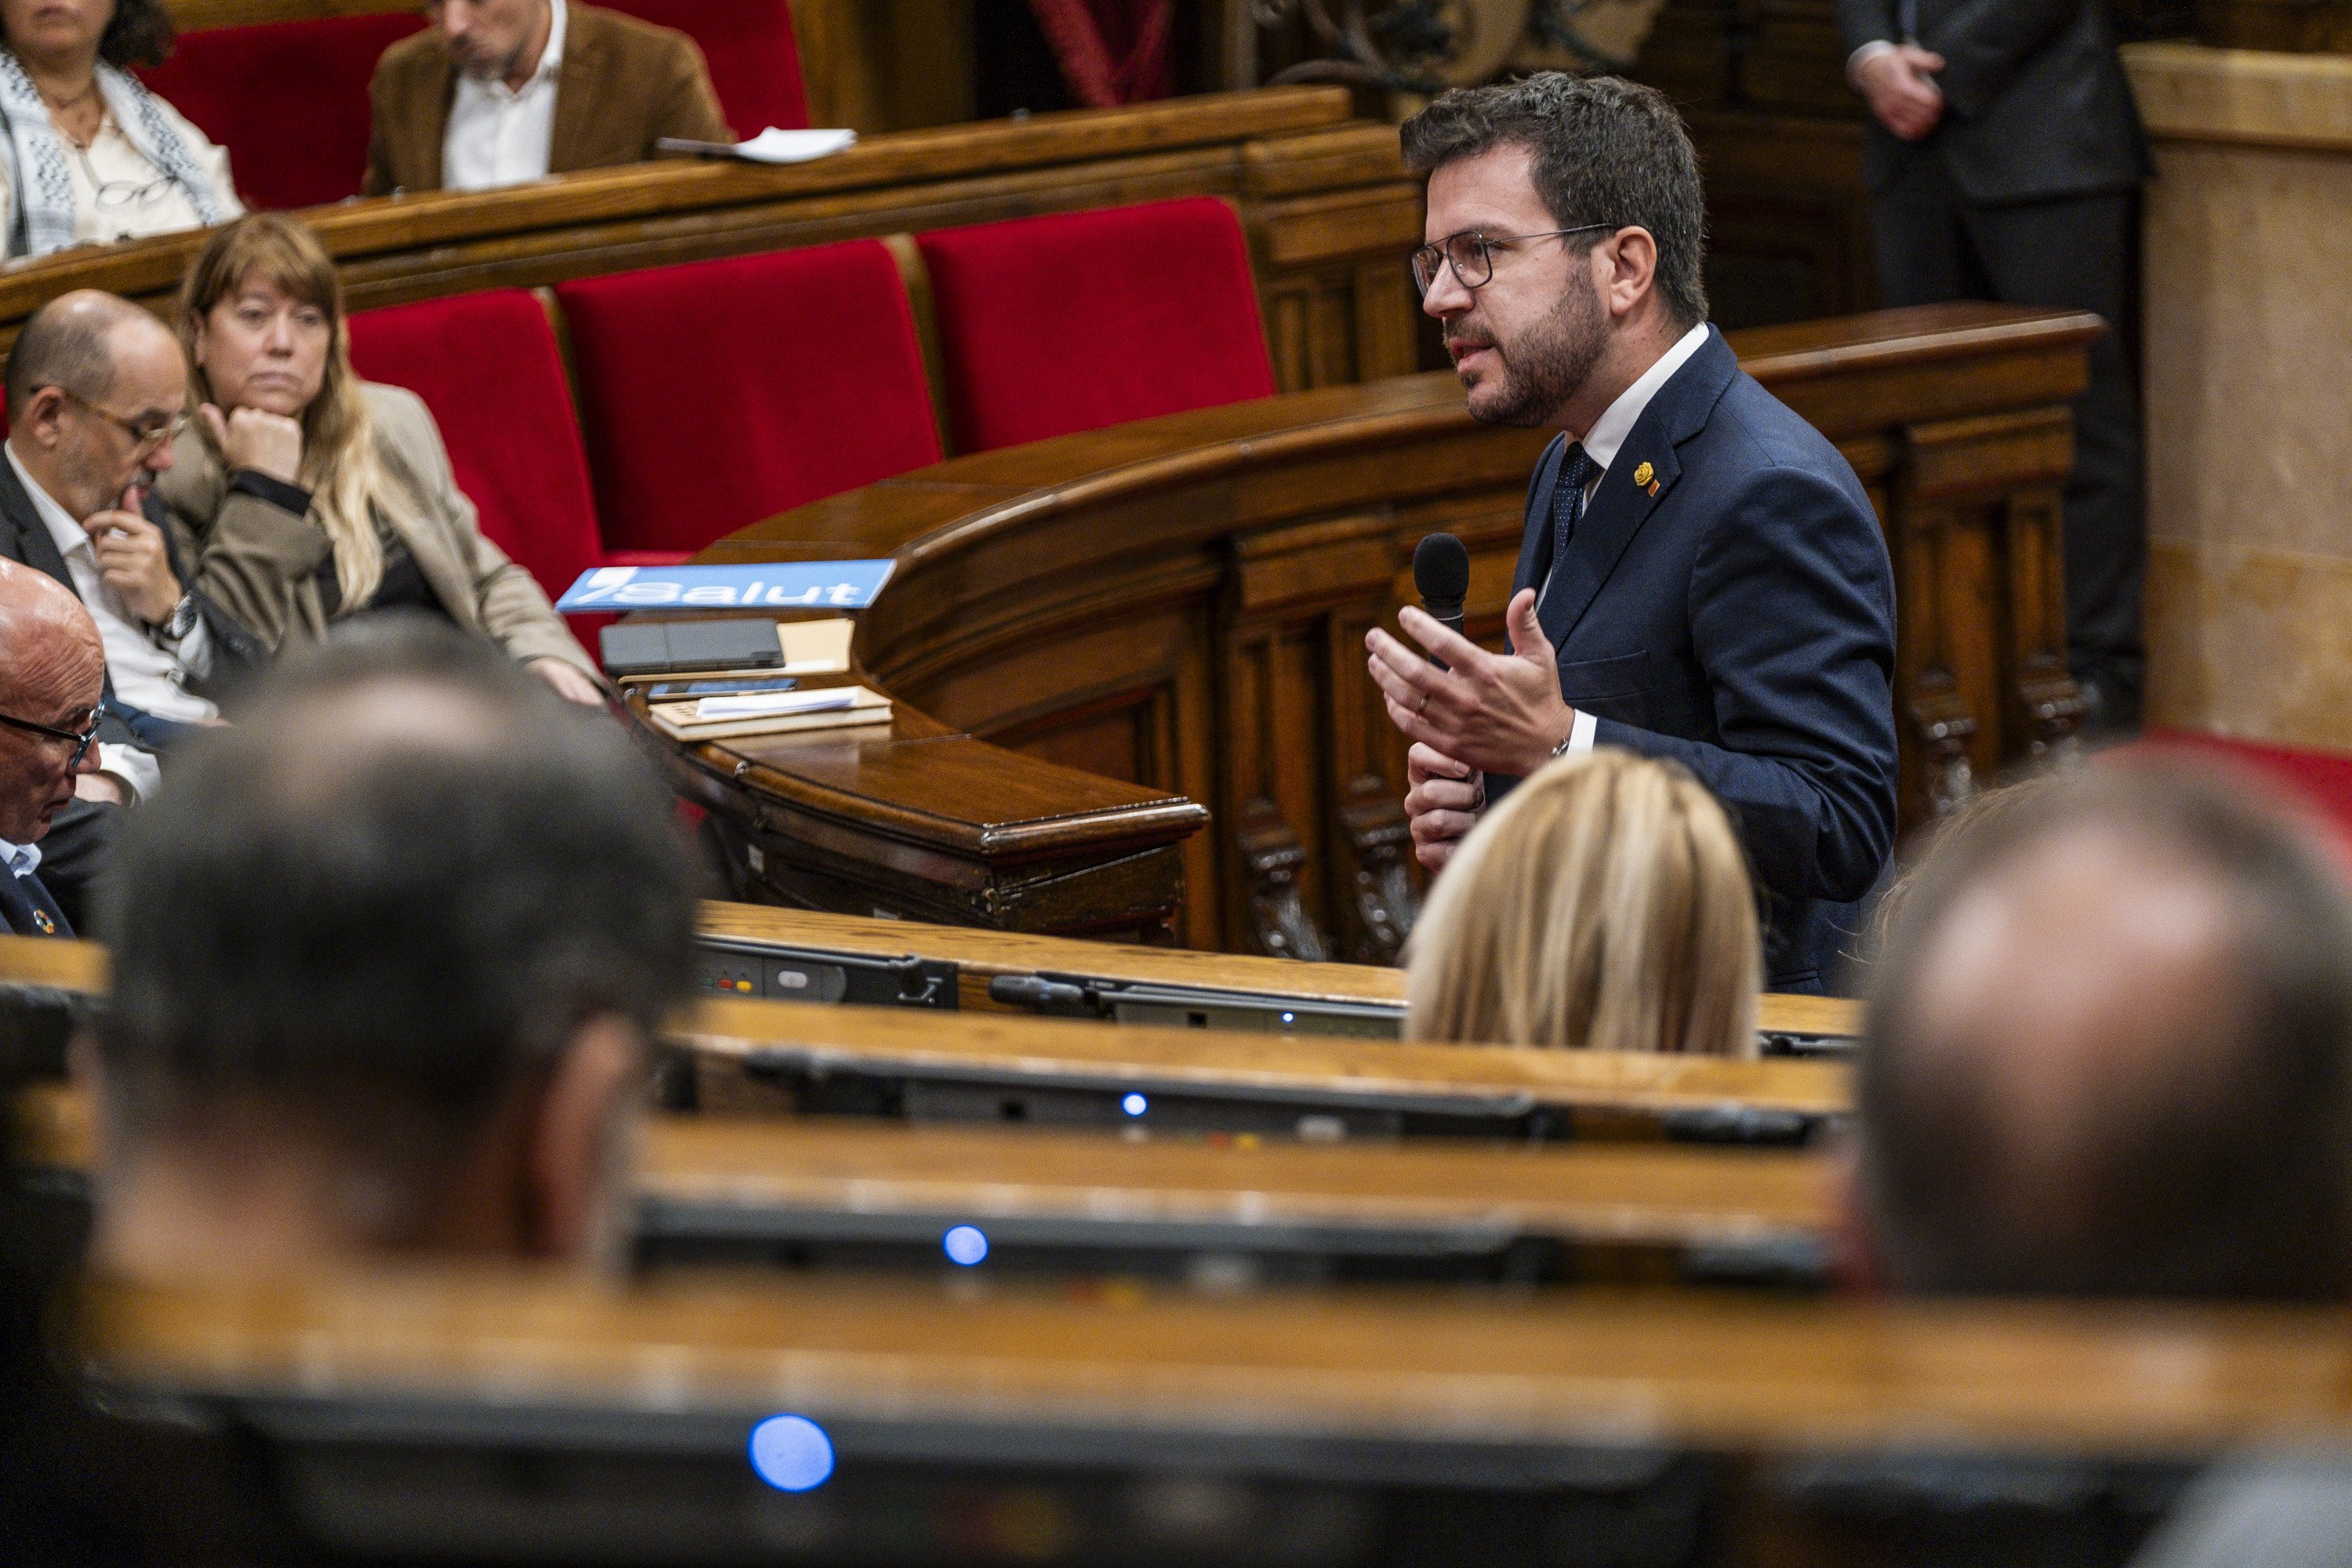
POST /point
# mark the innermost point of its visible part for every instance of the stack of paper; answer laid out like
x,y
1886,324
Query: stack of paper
x,y
771,712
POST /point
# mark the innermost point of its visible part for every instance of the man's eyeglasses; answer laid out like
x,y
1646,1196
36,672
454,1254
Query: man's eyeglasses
x,y
79,738
1472,254
151,438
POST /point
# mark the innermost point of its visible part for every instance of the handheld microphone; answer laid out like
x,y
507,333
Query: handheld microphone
x,y
1440,572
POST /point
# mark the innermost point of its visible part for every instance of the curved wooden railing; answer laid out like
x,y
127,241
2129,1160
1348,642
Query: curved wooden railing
x,y
1328,206
1093,637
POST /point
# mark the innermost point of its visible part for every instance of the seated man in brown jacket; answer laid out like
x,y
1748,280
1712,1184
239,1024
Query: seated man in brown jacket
x,y
496,92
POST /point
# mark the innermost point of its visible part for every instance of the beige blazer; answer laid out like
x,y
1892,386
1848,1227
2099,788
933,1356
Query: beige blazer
x,y
622,85
260,562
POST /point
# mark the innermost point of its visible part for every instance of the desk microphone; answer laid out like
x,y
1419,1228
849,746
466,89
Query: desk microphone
x,y
1441,570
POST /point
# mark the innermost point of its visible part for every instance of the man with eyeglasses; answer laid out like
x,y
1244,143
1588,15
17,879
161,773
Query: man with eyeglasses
x,y
1702,576
97,389
52,670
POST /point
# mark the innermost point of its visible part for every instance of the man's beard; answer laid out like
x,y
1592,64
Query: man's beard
x,y
1542,369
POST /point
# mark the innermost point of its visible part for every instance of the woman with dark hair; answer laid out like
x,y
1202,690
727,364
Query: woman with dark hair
x,y
87,155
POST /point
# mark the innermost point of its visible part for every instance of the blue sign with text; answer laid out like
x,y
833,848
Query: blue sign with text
x,y
785,585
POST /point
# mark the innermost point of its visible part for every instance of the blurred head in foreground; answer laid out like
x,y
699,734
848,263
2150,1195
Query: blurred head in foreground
x,y
386,959
1605,903
2110,1050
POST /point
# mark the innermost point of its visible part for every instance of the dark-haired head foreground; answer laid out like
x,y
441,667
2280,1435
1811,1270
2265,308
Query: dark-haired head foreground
x,y
2111,1051
386,958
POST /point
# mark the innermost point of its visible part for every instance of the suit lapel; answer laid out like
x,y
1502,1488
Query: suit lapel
x,y
576,81
32,544
1620,506
429,127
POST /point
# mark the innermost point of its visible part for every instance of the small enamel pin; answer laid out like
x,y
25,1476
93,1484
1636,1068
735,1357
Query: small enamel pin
x,y
41,919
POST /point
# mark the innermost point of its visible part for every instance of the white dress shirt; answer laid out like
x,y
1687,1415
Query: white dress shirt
x,y
147,673
22,859
1601,444
498,136
141,202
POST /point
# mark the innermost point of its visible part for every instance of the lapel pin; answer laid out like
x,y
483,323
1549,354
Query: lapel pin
x,y
41,919
1654,486
1642,475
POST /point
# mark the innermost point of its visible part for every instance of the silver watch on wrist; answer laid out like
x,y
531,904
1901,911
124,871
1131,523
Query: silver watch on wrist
x,y
182,620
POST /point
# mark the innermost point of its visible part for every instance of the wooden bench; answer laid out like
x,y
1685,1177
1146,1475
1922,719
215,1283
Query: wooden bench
x,y
745,1055
825,1193
436,1410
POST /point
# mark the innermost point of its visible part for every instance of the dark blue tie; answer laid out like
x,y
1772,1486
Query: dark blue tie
x,y
1576,471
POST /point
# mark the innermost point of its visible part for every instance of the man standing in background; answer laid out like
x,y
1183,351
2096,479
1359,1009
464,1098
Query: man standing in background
x,y
2002,158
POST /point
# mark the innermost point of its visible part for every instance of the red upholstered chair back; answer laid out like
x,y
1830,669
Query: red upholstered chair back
x,y
755,66
722,392
487,367
289,99
1082,319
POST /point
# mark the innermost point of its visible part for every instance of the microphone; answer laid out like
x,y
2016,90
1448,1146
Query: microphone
x,y
1441,570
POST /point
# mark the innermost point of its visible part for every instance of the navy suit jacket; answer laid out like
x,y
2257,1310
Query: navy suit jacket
x,y
1737,614
27,908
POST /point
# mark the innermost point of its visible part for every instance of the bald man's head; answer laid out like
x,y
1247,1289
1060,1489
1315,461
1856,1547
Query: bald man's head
x,y
52,674
2111,1052
66,344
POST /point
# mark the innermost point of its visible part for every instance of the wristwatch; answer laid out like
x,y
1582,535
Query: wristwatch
x,y
182,620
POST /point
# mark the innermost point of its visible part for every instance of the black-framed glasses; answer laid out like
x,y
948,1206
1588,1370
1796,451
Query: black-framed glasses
x,y
1472,254
79,739
144,441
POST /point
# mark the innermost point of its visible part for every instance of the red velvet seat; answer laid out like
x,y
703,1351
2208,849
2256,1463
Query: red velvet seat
x,y
1082,319
487,367
720,393
289,99
755,66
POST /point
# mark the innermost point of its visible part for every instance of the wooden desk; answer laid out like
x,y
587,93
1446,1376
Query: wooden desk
x,y
1179,605
79,968
982,956
986,1066
717,1187
629,1409
819,1193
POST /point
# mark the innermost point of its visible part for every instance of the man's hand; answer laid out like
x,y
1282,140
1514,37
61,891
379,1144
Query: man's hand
x,y
1493,712
257,440
1899,84
133,562
1442,803
570,682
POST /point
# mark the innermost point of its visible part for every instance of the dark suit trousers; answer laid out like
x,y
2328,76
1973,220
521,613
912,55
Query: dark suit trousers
x,y
2066,253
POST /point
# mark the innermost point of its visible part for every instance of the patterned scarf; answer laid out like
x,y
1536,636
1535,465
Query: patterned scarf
x,y
43,220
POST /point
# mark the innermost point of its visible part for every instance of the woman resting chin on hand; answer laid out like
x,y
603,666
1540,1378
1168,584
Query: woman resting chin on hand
x,y
313,497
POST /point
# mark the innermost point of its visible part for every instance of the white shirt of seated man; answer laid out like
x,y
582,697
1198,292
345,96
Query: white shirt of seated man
x,y
499,135
96,454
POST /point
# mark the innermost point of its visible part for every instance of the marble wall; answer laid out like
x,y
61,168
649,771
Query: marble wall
x,y
2247,335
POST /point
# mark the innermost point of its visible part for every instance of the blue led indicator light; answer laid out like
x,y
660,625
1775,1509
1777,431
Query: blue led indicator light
x,y
790,1453
965,1245
1290,1017
1135,1105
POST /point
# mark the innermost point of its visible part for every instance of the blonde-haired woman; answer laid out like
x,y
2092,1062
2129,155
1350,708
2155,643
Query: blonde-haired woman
x,y
312,496
1605,903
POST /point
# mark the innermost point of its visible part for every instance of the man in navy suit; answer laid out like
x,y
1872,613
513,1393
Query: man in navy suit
x,y
1703,578
52,674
